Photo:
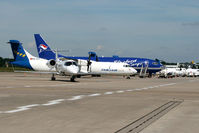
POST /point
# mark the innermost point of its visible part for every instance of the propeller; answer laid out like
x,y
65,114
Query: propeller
x,y
160,61
89,62
91,54
157,60
97,58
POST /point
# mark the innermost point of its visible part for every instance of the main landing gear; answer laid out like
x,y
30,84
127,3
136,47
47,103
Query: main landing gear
x,y
128,77
53,77
72,79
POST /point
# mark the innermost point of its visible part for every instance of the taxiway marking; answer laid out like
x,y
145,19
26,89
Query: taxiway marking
x,y
108,93
94,95
53,102
120,91
22,108
78,97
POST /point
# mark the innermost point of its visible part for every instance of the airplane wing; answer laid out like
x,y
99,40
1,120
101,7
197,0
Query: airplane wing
x,y
63,58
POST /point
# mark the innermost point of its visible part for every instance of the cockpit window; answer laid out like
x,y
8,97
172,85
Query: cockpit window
x,y
155,63
74,63
126,65
68,63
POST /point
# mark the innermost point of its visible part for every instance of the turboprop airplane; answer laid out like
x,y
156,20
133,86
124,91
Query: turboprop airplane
x,y
190,72
151,66
172,72
67,67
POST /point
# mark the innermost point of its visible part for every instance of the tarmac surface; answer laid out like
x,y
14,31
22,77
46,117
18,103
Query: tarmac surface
x,y
31,103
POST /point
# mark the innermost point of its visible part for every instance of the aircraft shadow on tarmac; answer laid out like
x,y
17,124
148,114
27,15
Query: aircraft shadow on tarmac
x,y
59,80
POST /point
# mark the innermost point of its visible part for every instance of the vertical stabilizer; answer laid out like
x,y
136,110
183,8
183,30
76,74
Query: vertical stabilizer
x,y
43,49
20,55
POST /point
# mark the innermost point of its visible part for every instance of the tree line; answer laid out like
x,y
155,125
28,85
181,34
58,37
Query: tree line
x,y
4,62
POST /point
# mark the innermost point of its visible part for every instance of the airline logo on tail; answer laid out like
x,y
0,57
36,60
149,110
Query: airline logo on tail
x,y
42,47
19,54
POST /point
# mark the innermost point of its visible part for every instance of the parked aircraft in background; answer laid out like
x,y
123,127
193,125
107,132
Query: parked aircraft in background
x,y
140,64
192,72
172,72
67,67
175,70
24,59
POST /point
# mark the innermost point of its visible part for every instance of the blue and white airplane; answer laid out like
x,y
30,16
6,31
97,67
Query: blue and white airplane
x,y
152,66
67,67
24,59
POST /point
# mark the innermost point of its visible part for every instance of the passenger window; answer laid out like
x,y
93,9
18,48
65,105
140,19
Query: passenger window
x,y
155,63
126,65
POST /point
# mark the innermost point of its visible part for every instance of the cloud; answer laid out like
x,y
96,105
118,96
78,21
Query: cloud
x,y
125,28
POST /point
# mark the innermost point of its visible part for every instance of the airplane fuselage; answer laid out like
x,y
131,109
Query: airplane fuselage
x,y
111,68
152,66
137,63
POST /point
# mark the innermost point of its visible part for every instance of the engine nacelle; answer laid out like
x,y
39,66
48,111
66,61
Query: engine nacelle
x,y
51,63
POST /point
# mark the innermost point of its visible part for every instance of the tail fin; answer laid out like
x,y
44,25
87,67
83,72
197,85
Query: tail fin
x,y
20,55
43,49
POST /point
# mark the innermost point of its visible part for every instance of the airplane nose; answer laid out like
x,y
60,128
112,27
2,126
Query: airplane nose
x,y
134,71
74,70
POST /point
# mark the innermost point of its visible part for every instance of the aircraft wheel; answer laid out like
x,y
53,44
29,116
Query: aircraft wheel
x,y
128,77
72,79
53,78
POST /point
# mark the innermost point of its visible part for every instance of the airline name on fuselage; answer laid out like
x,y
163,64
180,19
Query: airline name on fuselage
x,y
133,63
112,70
34,58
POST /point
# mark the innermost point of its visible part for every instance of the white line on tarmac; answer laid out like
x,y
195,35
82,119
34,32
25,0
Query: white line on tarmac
x,y
120,91
144,88
27,86
94,95
108,93
22,108
76,97
59,101
129,90
138,89
155,86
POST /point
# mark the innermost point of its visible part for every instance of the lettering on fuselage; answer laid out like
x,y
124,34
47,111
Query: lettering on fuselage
x,y
132,63
109,70
33,58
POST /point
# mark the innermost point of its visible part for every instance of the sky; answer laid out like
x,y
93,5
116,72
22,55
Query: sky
x,y
164,29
